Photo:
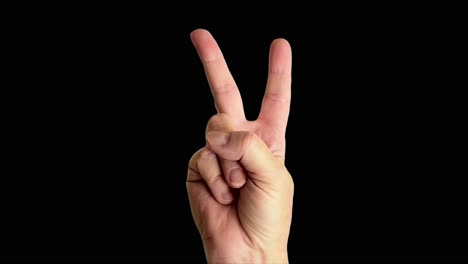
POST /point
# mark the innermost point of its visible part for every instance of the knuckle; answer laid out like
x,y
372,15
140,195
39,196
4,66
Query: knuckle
x,y
224,88
214,119
217,122
213,180
204,156
201,155
193,160
291,183
277,97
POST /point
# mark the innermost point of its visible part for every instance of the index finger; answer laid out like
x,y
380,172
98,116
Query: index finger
x,y
223,87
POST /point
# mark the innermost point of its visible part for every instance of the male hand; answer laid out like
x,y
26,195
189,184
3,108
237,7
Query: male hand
x,y
251,224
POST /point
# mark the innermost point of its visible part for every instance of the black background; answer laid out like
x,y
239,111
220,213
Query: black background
x,y
105,105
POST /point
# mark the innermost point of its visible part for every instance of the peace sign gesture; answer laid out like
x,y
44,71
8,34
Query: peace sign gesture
x,y
275,107
247,155
271,123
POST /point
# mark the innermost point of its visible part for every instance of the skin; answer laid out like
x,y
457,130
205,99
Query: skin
x,y
239,189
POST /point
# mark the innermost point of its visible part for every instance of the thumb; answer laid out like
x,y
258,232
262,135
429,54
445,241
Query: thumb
x,y
249,150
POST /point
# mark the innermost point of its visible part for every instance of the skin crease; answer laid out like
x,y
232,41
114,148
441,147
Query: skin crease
x,y
246,218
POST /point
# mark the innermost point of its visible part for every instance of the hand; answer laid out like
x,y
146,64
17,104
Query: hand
x,y
251,225
270,125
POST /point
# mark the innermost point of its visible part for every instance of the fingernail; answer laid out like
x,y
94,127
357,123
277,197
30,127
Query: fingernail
x,y
218,138
227,196
236,177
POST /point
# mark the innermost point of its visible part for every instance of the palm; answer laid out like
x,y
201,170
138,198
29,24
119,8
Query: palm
x,y
236,222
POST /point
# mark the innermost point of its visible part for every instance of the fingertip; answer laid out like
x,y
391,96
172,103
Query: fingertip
x,y
280,56
237,178
199,33
193,35
227,197
194,32
281,42
206,45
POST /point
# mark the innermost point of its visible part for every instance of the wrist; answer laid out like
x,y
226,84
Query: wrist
x,y
273,257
